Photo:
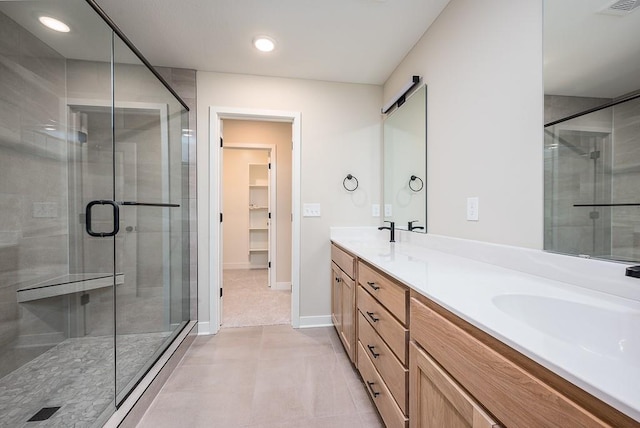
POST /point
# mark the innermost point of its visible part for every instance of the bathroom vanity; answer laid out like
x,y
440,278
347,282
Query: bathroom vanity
x,y
449,333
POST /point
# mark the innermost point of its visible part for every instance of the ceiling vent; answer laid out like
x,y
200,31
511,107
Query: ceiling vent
x,y
621,7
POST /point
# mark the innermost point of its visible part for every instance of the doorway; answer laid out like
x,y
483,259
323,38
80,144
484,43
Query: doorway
x,y
256,196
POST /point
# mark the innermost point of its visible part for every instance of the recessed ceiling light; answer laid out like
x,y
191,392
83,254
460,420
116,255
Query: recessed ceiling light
x,y
264,43
54,24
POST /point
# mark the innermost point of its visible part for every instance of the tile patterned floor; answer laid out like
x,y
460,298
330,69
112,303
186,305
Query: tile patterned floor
x,y
248,300
77,375
270,376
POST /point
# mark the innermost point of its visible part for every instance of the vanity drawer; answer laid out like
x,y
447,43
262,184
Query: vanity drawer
x,y
390,330
343,259
393,373
380,394
392,295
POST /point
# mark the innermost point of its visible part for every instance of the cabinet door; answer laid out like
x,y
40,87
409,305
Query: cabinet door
x,y
436,400
348,315
336,297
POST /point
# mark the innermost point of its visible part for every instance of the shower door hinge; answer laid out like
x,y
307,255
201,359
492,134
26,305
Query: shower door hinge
x,y
595,154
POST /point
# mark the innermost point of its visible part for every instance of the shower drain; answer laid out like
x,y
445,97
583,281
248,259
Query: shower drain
x,y
44,414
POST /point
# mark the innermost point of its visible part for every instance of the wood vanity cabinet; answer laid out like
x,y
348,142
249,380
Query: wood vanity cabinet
x,y
458,370
437,400
383,343
343,298
425,367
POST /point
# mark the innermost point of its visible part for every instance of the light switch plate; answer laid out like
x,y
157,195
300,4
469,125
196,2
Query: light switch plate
x,y
388,210
311,210
375,210
473,208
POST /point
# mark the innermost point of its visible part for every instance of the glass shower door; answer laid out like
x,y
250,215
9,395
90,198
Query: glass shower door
x,y
149,181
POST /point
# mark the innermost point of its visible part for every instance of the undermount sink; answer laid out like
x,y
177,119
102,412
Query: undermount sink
x,y
611,332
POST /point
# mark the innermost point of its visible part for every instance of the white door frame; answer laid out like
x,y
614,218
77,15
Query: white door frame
x,y
271,148
216,115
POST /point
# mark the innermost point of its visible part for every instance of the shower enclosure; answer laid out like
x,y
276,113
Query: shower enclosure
x,y
592,174
94,276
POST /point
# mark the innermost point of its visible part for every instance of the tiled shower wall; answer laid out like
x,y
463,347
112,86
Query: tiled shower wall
x,y
625,238
33,191
183,81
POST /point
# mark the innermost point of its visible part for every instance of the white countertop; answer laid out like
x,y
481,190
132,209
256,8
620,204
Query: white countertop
x,y
589,337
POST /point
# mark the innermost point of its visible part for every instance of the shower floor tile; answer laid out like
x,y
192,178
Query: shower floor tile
x,y
77,375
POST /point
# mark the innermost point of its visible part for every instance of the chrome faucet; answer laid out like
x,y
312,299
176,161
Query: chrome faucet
x,y
411,227
391,228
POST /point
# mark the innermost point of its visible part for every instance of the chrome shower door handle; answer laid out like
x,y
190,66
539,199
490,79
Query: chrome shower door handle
x,y
116,218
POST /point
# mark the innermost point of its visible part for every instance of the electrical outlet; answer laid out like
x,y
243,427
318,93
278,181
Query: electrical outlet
x,y
45,210
388,210
375,210
473,208
311,210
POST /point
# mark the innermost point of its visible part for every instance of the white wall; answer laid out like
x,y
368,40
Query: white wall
x,y
341,131
482,63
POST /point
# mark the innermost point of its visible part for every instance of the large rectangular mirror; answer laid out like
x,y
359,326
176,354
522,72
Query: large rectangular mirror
x,y
592,128
405,164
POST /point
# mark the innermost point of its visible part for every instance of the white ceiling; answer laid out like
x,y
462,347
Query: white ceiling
x,y
587,53
359,41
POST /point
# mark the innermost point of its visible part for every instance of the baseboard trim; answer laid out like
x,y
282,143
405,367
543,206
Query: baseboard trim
x,y
281,286
203,328
316,321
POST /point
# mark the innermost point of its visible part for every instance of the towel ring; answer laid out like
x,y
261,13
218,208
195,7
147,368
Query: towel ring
x,y
414,178
344,182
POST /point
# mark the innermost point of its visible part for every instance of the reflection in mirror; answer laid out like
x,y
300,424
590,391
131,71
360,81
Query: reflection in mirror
x,y
405,164
592,128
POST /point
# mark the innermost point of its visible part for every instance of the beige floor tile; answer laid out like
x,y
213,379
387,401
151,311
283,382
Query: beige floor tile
x,y
327,396
371,419
277,404
271,376
285,342
283,372
224,408
238,373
